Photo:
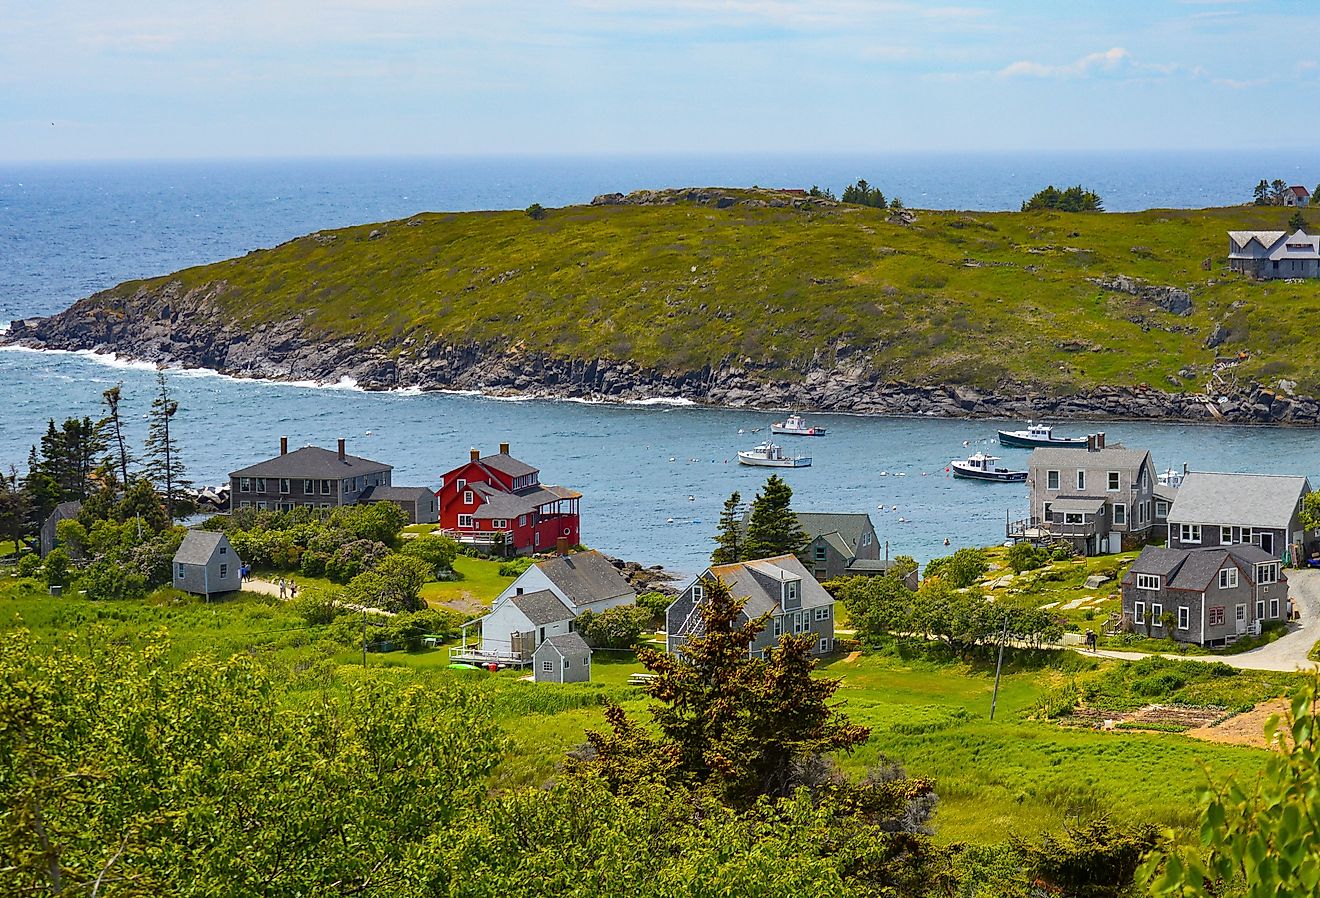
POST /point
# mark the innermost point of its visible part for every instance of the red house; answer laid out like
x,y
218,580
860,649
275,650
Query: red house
x,y
499,494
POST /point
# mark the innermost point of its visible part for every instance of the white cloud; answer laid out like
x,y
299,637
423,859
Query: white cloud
x,y
1107,60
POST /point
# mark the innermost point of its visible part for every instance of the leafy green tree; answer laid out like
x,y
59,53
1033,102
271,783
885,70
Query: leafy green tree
x,y
164,463
773,527
1071,199
879,606
961,569
1096,859
142,503
55,567
392,584
655,603
1024,556
1261,193
378,521
728,536
438,552
1277,189
354,558
1260,838
620,627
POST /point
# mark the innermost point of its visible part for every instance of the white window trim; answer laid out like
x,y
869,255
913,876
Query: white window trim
x,y
547,667
1149,582
1081,480
179,572
467,497
1120,513
1139,612
1228,578
465,520
245,484
1184,617
1052,480
1190,534
824,643
823,612
1156,612
1274,609
1115,478
698,593
1267,573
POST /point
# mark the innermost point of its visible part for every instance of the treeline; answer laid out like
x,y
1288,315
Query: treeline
x,y
1070,199
859,193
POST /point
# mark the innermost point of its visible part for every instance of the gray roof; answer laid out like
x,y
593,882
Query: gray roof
x,y
542,607
1264,238
570,645
1165,492
507,464
1248,500
198,546
758,581
1083,504
1194,569
586,577
64,511
396,493
312,462
850,526
1114,457
836,539
876,565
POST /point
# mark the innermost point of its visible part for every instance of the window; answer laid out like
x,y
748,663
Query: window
x,y
866,539
1113,482
1081,480
548,666
1139,613
465,520
1120,513
1260,609
1267,573
284,486
179,573
467,497
1228,578
1148,581
1074,517
245,504
820,553
779,627
261,484
224,571
325,487
1156,612
309,487
1051,480
823,613
459,484
1184,617
1226,536
261,506
825,644
224,550
346,485
791,590
1274,608
1189,533
1161,509
565,664
698,593
245,484
522,520
1216,615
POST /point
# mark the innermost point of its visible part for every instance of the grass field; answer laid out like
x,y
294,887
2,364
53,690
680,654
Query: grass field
x,y
981,298
1013,774
480,584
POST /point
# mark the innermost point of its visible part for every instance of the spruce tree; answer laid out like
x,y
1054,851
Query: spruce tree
x,y
773,528
728,539
164,467
113,428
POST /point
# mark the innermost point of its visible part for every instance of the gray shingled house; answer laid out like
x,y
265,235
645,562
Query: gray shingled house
x,y
1274,254
318,478
780,586
1240,509
562,659
49,539
206,564
1216,595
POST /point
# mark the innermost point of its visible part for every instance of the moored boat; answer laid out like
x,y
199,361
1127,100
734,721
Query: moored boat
x,y
982,467
1038,435
769,455
796,425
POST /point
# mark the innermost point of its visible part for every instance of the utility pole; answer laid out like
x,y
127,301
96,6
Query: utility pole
x,y
364,641
994,699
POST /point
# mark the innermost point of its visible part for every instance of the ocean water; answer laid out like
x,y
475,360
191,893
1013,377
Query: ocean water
x,y
653,476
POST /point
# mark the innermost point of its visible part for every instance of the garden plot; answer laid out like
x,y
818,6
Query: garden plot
x,y
1162,718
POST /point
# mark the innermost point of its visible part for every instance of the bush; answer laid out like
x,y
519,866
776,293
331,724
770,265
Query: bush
x,y
393,584
515,567
1025,557
104,580
619,627
655,604
355,558
1061,553
437,552
56,567
961,569
317,607
28,565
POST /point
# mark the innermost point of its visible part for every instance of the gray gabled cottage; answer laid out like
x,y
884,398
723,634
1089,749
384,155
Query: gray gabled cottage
x,y
565,658
1262,510
206,564
780,586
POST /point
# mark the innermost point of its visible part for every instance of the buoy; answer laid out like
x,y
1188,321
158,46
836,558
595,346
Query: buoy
x,y
902,520
895,508
692,498
669,520
946,540
966,444
671,458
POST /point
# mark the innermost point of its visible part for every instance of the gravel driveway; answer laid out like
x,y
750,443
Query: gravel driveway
x,y
1288,652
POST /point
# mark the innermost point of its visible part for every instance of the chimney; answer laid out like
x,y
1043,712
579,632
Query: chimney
x,y
504,448
341,448
284,445
561,545
1090,443
474,454
1100,440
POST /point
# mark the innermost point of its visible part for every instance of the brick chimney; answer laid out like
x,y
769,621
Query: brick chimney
x,y
1100,440
1090,443
341,448
284,445
504,448
561,545
475,454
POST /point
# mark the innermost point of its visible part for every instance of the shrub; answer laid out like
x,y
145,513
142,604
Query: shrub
x,y
56,567
1061,553
28,565
655,603
1025,557
515,567
961,569
352,559
312,564
392,584
437,552
614,628
104,580
317,607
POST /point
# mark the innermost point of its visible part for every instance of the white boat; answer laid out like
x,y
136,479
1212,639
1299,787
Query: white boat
x,y
1172,478
982,467
796,425
769,455
1037,435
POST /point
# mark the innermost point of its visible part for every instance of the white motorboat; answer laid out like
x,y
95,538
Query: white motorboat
x,y
982,467
1171,478
796,425
769,455
1038,435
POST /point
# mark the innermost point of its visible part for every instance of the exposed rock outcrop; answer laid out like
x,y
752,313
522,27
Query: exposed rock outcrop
x,y
1170,299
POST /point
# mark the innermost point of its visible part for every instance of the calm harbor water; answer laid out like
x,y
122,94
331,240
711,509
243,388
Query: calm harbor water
x,y
68,230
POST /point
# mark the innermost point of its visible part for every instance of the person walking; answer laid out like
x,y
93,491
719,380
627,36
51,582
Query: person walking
x,y
1091,639
282,590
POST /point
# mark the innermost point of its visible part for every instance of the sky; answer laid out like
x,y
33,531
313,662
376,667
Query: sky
x,y
145,79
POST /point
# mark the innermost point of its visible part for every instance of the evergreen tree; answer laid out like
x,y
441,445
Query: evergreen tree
x,y
773,528
42,491
164,466
14,511
1277,189
112,426
1297,222
728,539
1261,195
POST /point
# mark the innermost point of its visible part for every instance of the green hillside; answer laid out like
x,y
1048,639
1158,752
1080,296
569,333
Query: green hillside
x,y
977,298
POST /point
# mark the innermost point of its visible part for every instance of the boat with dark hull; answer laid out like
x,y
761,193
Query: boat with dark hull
x,y
982,467
1038,435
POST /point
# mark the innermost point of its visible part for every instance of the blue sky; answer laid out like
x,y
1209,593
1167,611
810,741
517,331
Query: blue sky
x,y
255,78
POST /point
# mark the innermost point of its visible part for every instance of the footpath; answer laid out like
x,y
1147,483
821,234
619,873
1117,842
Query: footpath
x,y
269,588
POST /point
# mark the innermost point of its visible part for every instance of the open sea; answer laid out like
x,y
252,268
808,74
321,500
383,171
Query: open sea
x,y
654,476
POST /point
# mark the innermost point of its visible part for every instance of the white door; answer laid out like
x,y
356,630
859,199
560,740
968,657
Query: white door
x,y
1241,619
1115,543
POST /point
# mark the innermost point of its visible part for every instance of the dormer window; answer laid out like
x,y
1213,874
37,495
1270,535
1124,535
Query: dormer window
x,y
1148,581
792,590
1267,573
698,593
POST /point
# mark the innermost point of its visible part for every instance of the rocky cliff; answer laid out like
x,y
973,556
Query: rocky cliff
x,y
165,323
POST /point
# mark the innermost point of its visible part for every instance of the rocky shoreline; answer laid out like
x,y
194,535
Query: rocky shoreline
x,y
171,327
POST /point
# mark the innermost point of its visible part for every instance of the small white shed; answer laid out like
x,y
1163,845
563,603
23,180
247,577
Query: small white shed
x,y
562,659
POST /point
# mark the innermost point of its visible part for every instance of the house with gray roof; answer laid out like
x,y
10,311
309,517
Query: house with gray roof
x,y
1098,501
1274,254
562,659
319,478
780,587
1215,595
542,602
206,564
48,538
1264,510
